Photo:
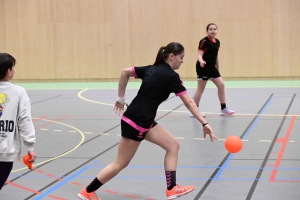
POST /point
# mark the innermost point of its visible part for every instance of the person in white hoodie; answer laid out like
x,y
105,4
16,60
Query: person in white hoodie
x,y
15,119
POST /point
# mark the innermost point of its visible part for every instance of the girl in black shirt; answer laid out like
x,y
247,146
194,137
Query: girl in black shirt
x,y
159,81
207,67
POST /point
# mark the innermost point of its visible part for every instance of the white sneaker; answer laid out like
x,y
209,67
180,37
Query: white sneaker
x,y
227,111
203,115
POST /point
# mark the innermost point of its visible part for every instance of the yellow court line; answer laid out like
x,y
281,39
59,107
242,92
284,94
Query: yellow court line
x,y
199,139
178,111
81,97
82,140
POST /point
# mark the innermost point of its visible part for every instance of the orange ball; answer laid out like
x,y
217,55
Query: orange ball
x,y
233,144
26,161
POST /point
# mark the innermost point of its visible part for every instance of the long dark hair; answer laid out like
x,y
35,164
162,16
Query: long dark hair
x,y
208,25
164,52
6,62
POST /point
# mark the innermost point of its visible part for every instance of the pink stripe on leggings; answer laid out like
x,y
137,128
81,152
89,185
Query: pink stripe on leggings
x,y
134,125
137,127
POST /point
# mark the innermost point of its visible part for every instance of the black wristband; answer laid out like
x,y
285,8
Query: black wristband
x,y
204,124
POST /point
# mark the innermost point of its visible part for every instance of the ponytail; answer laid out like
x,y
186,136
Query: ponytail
x,y
160,56
165,51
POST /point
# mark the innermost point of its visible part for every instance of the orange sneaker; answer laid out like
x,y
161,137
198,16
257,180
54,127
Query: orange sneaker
x,y
178,191
84,195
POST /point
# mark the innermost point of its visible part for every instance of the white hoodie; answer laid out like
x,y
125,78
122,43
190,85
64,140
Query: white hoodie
x,y
15,122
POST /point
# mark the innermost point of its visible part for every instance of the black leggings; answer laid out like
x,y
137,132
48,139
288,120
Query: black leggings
x,y
5,169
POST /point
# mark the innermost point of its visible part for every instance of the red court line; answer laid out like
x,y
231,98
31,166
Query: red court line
x,y
61,118
31,190
55,197
110,191
39,171
131,196
75,183
22,187
41,118
50,175
284,142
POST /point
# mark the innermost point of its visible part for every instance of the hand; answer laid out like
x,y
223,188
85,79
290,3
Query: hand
x,y
119,108
33,156
202,63
209,131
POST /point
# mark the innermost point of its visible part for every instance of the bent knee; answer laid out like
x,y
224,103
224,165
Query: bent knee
x,y
173,146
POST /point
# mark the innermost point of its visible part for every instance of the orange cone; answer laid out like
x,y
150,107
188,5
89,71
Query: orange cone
x,y
26,161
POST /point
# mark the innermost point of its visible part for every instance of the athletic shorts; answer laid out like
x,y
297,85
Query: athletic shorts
x,y
5,169
132,133
205,73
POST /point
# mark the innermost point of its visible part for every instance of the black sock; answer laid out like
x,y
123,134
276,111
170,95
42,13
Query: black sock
x,y
171,179
94,185
223,105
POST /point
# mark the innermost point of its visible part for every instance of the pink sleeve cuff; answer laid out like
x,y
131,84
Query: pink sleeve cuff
x,y
181,93
133,71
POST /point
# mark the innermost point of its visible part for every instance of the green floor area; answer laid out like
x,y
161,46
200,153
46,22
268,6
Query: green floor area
x,y
135,85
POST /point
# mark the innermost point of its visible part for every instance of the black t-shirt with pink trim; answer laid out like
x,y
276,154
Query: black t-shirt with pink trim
x,y
210,48
158,83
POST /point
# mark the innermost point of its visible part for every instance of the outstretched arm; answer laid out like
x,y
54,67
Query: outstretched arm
x,y
192,107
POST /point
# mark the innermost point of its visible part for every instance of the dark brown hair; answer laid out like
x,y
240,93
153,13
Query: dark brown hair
x,y
6,62
165,51
207,27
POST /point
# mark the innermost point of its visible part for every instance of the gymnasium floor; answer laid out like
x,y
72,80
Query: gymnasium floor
x,y
78,134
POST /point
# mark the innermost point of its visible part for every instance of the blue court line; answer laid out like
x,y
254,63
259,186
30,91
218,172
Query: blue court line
x,y
64,181
244,137
161,167
258,117
14,175
205,167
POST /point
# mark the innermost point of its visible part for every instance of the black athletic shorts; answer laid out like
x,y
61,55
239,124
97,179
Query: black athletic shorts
x,y
205,73
131,133
5,169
